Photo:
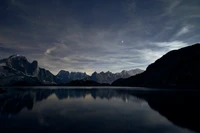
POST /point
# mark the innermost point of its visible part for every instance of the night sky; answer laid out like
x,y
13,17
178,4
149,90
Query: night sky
x,y
96,35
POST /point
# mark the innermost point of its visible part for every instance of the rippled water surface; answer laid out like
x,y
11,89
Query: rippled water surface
x,y
99,110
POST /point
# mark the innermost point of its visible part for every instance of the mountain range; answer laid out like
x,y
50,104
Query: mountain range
x,y
64,77
17,70
109,77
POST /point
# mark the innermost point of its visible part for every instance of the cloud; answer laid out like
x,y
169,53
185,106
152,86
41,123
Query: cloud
x,y
170,45
171,6
183,31
48,51
157,49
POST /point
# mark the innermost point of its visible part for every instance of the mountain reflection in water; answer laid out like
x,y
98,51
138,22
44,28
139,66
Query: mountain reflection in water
x,y
99,110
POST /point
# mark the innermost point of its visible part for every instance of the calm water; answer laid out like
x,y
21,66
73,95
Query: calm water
x,y
99,110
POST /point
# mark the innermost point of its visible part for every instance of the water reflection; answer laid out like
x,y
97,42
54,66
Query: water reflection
x,y
15,100
179,107
118,110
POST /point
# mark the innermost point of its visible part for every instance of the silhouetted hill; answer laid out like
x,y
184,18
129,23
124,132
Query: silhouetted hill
x,y
2,91
178,68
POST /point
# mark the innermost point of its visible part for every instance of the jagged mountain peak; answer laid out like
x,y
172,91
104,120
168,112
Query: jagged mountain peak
x,y
15,56
64,77
94,73
16,68
109,77
63,72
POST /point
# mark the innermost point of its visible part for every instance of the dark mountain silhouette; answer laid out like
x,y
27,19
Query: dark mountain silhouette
x,y
178,69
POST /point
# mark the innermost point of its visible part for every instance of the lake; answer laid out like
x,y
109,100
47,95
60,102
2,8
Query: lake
x,y
99,110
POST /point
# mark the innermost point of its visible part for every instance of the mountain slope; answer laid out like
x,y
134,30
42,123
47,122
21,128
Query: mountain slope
x,y
17,70
177,68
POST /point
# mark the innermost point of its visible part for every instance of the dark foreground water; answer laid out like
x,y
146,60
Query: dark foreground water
x,y
99,110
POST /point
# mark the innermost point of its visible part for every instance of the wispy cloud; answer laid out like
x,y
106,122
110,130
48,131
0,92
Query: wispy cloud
x,y
48,51
158,49
183,31
170,45
171,6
